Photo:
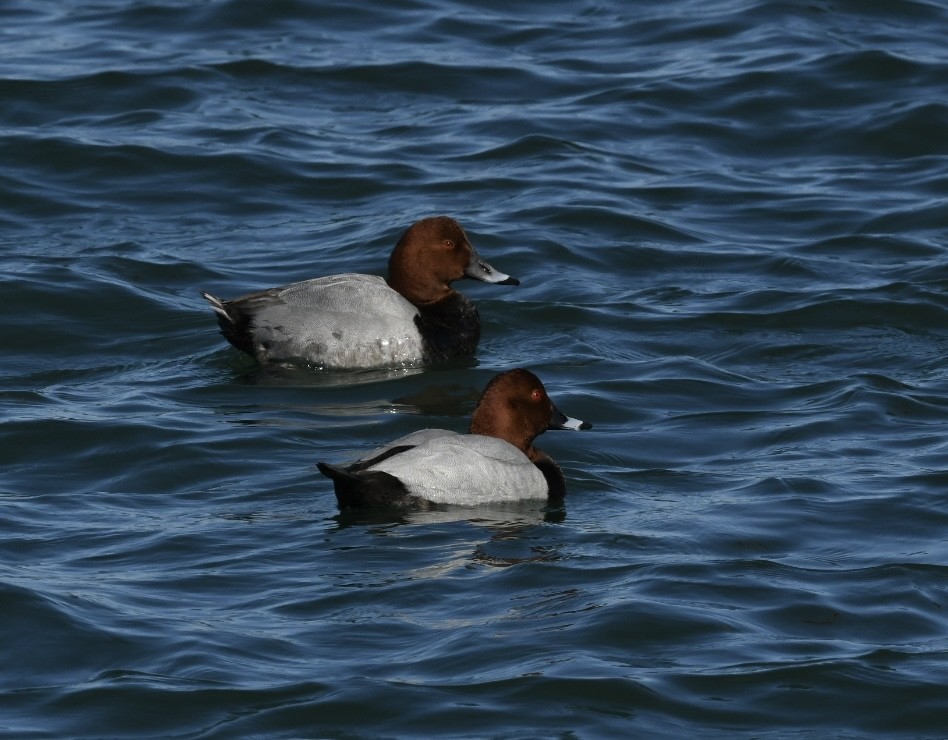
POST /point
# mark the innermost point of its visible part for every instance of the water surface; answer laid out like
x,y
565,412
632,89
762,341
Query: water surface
x,y
728,219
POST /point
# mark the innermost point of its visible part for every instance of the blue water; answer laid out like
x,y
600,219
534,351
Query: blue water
x,y
729,221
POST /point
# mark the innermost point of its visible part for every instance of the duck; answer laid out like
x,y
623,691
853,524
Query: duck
x,y
495,462
351,321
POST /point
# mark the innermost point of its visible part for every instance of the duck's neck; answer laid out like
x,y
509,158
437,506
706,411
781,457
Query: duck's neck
x,y
407,276
508,429
419,290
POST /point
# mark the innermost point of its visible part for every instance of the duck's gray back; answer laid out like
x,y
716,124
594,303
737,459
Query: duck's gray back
x,y
340,321
464,469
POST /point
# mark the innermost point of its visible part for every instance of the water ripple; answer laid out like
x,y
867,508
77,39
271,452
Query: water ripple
x,y
728,220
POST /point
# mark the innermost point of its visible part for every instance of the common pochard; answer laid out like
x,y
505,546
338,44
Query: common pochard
x,y
361,321
495,462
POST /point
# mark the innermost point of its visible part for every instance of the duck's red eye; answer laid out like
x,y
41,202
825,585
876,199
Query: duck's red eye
x,y
448,244
536,395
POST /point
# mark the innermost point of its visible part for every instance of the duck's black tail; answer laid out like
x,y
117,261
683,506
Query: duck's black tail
x,y
234,323
367,488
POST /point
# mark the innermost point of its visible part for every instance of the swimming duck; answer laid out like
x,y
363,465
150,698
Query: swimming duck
x,y
495,462
361,321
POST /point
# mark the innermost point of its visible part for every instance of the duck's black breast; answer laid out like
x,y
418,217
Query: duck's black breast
x,y
555,481
449,328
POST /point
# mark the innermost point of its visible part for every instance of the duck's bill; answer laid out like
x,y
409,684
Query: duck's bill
x,y
480,270
562,421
